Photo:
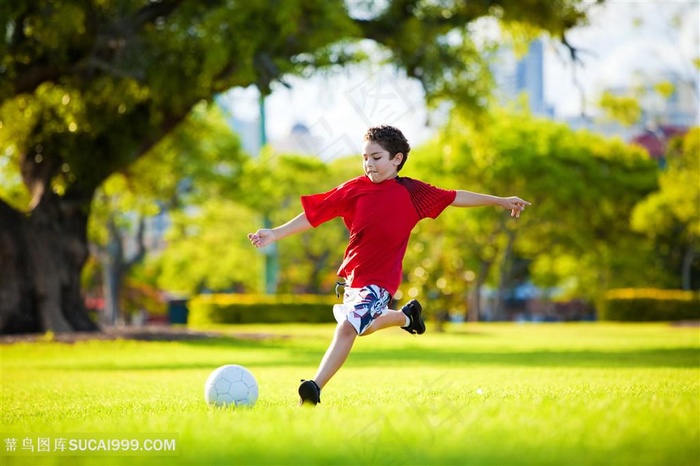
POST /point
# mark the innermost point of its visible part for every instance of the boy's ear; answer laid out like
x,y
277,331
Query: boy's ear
x,y
397,158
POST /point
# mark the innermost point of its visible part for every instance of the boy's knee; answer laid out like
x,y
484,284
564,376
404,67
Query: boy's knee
x,y
346,329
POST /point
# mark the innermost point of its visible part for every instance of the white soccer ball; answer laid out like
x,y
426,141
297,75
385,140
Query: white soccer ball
x,y
231,385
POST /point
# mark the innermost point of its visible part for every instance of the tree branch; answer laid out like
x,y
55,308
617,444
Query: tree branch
x,y
140,246
154,10
96,50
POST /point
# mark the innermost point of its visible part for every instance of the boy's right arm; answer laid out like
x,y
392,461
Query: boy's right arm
x,y
266,236
470,199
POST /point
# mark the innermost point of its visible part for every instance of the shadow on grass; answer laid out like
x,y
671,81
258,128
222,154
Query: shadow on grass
x,y
285,350
279,352
688,357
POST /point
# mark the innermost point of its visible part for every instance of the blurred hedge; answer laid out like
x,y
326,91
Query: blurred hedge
x,y
650,304
248,309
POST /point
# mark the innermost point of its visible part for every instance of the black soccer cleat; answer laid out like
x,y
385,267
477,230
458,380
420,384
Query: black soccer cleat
x,y
413,310
309,393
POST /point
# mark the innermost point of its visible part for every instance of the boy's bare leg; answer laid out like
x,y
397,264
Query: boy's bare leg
x,y
337,352
389,319
344,338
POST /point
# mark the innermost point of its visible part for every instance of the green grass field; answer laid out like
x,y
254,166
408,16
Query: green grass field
x,y
486,394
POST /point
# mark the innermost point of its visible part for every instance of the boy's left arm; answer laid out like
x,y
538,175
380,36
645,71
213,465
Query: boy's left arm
x,y
470,199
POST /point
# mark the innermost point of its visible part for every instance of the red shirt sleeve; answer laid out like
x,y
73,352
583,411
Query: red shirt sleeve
x,y
428,200
320,208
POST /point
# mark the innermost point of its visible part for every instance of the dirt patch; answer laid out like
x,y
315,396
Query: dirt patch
x,y
147,333
687,323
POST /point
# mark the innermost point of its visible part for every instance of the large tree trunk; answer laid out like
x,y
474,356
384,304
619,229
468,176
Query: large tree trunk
x,y
18,307
42,257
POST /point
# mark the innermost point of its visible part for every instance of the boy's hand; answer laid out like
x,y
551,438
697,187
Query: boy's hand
x,y
262,238
515,204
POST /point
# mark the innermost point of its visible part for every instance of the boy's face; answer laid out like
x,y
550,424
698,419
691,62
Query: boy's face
x,y
377,164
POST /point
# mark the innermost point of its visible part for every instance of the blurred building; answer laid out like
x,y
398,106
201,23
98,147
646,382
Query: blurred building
x,y
655,138
516,77
662,117
298,141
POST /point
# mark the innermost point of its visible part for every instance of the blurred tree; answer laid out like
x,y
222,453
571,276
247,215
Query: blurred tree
x,y
88,87
670,217
625,109
204,159
582,187
208,248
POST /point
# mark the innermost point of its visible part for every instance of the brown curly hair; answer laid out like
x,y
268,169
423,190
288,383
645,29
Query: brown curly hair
x,y
391,139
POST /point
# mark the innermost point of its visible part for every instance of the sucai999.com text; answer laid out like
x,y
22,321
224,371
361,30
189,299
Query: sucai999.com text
x,y
87,445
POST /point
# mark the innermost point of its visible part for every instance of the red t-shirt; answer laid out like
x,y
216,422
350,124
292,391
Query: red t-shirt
x,y
380,217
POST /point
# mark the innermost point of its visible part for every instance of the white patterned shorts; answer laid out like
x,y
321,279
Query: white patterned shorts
x,y
362,306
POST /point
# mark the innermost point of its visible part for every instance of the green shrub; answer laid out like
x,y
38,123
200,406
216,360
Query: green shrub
x,y
249,309
650,304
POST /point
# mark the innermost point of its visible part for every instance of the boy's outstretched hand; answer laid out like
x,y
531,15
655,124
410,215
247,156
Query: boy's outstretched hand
x,y
261,238
515,204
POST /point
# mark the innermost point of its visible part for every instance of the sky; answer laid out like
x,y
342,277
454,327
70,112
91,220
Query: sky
x,y
624,40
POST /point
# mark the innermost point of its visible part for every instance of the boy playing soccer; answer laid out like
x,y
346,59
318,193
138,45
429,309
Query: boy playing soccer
x,y
380,209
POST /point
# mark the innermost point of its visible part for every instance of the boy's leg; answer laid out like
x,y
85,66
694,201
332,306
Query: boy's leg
x,y
389,319
344,338
337,352
408,318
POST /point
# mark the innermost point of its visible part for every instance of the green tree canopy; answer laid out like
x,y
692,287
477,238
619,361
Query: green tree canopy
x,y
208,248
204,160
670,217
89,87
582,187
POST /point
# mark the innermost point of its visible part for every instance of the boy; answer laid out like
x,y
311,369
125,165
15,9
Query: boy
x,y
380,209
